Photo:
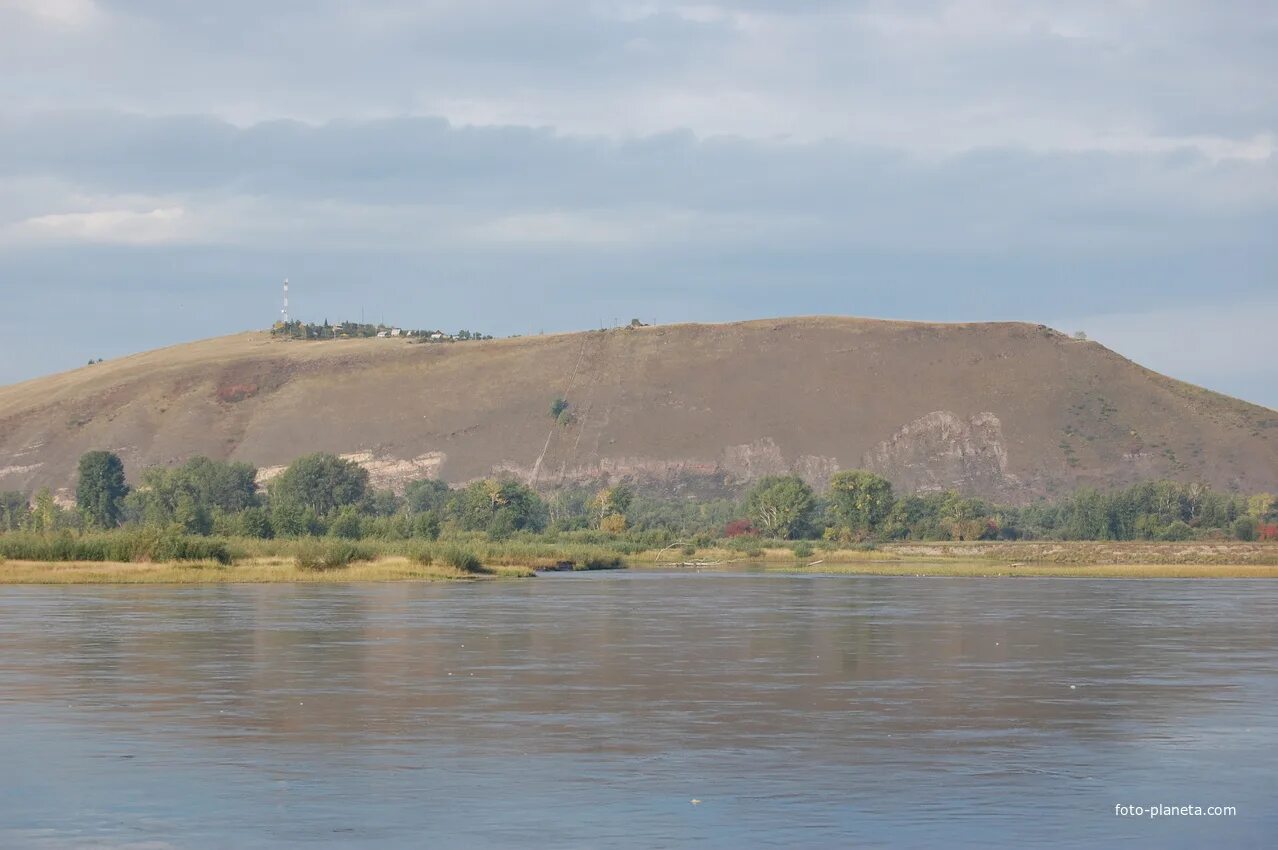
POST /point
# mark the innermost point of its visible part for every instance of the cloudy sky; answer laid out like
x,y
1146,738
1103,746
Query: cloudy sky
x,y
518,166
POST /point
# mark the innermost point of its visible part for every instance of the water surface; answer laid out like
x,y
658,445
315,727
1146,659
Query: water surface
x,y
589,710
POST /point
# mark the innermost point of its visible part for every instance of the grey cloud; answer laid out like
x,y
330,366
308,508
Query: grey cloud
x,y
985,200
979,72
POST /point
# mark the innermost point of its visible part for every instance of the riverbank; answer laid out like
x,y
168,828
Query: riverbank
x,y
1071,552
252,571
992,569
1092,552
1090,559
1218,559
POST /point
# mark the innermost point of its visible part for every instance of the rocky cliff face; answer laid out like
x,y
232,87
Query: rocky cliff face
x,y
1005,411
941,451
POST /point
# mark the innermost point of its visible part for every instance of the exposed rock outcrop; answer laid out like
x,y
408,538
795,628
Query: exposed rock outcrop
x,y
942,451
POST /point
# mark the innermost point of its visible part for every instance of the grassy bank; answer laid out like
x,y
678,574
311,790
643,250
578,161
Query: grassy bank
x,y
276,570
534,554
1073,553
999,569
136,558
1223,559
1132,553
250,571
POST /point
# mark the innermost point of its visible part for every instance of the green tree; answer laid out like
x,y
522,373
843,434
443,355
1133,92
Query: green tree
x,y
1178,530
499,506
320,482
192,494
781,505
1089,516
569,509
964,518
253,522
1245,528
100,488
426,525
45,515
219,485
193,515
290,519
15,510
426,494
912,516
381,503
346,523
611,501
1262,506
860,500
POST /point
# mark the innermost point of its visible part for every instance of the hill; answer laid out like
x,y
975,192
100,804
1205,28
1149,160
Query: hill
x,y
1007,411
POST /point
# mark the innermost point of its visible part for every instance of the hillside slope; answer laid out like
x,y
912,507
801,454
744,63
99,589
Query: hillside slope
x,y
1008,411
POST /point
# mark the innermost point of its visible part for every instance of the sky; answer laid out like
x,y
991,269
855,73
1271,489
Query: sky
x,y
527,166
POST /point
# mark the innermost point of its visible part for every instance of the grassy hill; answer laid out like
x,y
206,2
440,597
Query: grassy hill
x,y
1009,411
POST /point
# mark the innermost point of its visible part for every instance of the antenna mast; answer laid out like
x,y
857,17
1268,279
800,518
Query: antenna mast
x,y
284,311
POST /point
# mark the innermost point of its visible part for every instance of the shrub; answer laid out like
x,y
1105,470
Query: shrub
x,y
180,547
329,554
462,559
803,550
309,555
1245,528
502,525
1178,530
146,544
745,544
598,562
426,525
613,524
346,524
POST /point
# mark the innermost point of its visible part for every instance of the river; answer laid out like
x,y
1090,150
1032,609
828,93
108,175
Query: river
x,y
639,709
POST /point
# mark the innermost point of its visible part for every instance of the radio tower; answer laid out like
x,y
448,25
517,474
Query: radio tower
x,y
284,311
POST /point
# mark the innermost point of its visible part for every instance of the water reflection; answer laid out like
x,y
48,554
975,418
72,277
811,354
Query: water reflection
x,y
588,711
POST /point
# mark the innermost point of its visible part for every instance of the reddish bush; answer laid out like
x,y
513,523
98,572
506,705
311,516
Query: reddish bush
x,y
1268,531
739,528
231,393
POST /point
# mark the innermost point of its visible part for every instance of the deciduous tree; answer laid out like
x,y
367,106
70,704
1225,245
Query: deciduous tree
x,y
860,500
321,482
100,488
781,505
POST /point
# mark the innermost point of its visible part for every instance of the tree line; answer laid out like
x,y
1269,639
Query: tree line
x,y
325,495
296,329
